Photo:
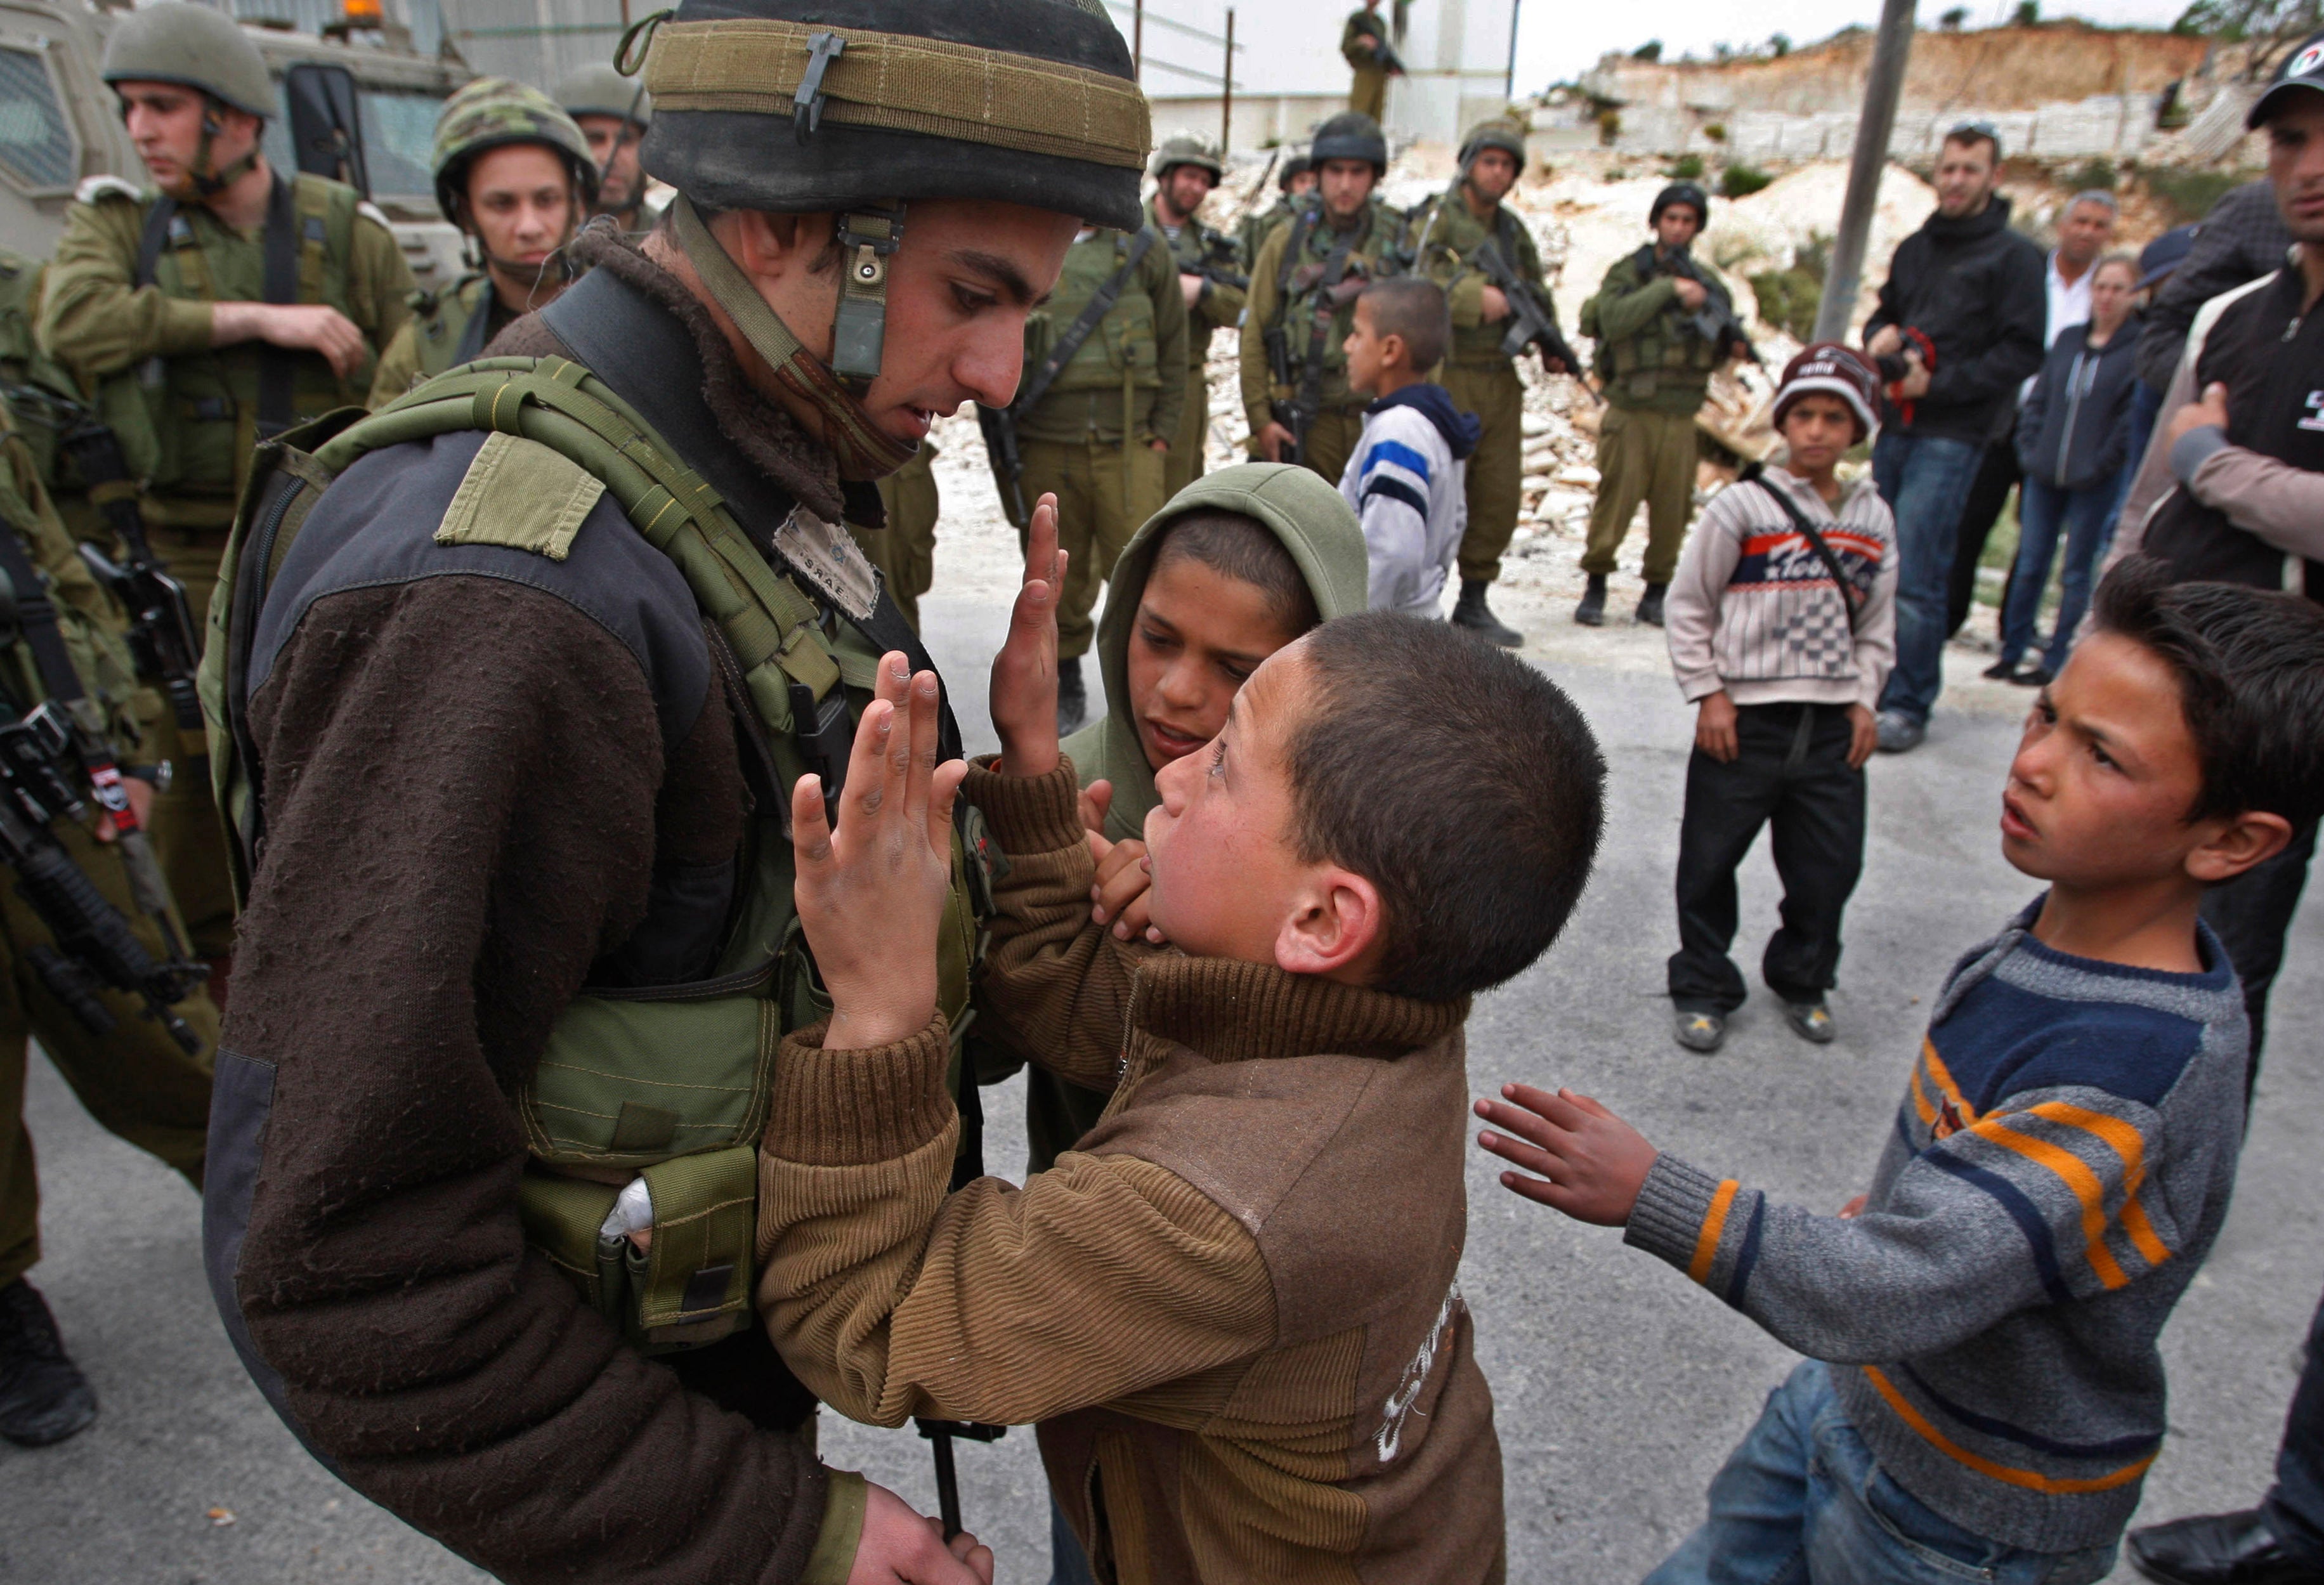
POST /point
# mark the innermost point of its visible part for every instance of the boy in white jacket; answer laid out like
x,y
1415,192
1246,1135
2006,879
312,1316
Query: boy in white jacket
x,y
1407,480
1782,626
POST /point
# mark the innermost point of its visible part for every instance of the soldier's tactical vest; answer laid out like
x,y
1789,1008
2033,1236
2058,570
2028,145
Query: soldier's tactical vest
x,y
1122,353
1299,278
21,362
449,328
1666,350
188,424
666,1082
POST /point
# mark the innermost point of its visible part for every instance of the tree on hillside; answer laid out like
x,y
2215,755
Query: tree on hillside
x,y
1652,49
1952,21
2278,24
2028,13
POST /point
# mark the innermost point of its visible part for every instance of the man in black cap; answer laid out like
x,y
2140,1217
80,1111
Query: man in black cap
x,y
1958,329
2243,468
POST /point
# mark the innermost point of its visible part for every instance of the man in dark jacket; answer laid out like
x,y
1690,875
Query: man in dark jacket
x,y
1958,327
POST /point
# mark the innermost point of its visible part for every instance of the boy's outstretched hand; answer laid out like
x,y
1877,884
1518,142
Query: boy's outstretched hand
x,y
871,895
1118,895
1592,1164
1025,672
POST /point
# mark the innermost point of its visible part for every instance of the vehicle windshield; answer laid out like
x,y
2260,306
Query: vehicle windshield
x,y
399,130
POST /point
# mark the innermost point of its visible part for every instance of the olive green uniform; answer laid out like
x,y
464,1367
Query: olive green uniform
x,y
1284,281
1256,228
1089,439
1368,96
135,1080
1482,378
441,334
905,551
1219,307
187,413
1656,370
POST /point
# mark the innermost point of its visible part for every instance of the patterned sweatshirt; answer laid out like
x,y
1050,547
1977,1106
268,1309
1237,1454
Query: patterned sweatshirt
x,y
1754,609
2060,1167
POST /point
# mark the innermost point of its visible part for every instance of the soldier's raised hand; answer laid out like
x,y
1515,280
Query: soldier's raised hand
x,y
1025,673
871,895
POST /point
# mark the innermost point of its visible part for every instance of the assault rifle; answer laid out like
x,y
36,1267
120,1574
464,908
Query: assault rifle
x,y
40,773
1217,264
999,425
1532,322
1715,320
163,637
1384,56
1307,379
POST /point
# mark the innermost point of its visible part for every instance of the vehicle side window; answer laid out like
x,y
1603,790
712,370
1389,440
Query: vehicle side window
x,y
36,144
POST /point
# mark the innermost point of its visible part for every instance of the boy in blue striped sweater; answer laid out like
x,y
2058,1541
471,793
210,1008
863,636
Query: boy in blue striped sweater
x,y
1983,1394
1408,478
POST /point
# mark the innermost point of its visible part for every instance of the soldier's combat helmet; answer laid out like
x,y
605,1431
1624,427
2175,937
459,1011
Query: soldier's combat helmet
x,y
1295,167
1682,192
603,90
1186,149
1501,133
194,47
1349,135
813,105
492,113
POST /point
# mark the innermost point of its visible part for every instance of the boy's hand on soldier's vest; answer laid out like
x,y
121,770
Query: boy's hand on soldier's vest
x,y
1591,1164
1124,876
871,894
1024,695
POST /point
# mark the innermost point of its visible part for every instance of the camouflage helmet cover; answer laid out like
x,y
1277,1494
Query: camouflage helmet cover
x,y
1502,132
602,90
194,47
1186,149
808,106
492,111
1349,135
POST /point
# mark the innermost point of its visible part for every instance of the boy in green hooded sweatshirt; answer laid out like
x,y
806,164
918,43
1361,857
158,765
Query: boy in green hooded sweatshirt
x,y
1239,564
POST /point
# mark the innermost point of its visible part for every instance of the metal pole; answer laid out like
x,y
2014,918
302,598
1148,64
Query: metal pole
x,y
1226,104
1510,81
1869,158
1138,40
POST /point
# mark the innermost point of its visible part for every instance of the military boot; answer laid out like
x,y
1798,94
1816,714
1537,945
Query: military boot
x,y
1650,604
43,1396
1591,611
1470,612
1072,697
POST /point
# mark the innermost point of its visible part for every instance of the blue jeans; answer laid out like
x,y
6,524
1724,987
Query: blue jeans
x,y
1925,480
1801,1502
1068,1564
2043,510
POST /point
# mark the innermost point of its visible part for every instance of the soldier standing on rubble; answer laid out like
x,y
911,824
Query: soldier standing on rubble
x,y
1184,172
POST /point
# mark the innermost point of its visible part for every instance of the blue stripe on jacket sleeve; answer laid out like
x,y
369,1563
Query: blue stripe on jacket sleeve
x,y
1401,454
1750,1256
2014,1201
1398,490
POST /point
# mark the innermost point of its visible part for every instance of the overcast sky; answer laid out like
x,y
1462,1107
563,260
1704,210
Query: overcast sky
x,y
1558,39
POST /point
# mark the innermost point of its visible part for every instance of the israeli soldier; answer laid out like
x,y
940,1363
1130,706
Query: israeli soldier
x,y
905,550
1363,41
1303,304
1184,172
1654,360
1294,182
214,309
580,618
515,174
1446,234
613,113
147,1082
1105,389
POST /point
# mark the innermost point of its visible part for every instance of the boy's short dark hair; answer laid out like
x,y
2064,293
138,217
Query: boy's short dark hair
x,y
1243,549
1456,779
2250,665
1412,307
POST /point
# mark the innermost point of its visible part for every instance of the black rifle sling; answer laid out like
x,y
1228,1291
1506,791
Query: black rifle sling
x,y
1310,394
154,238
1848,595
1092,316
36,617
472,334
648,360
278,367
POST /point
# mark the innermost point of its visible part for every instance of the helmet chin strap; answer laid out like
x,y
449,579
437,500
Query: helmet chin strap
x,y
208,181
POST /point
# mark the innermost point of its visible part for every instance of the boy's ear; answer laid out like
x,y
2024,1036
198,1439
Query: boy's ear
x,y
1394,353
2240,841
1336,927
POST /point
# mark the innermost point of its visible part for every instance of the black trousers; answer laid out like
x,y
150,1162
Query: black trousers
x,y
2295,1508
1790,775
1997,476
2252,914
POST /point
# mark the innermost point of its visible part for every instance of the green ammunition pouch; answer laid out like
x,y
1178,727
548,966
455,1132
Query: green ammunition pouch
x,y
666,1082
188,424
1666,352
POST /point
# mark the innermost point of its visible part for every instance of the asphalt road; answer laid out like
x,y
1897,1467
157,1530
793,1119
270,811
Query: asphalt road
x,y
1620,1386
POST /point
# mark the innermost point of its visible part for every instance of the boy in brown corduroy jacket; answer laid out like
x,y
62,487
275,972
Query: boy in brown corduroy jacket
x,y
1231,1312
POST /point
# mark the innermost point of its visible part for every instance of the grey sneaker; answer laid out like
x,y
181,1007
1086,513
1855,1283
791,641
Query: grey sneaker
x,y
1810,1021
1698,1031
1899,733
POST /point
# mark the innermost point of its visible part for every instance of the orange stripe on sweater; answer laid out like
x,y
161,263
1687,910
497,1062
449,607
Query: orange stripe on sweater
x,y
2080,1178
2028,1479
1706,1242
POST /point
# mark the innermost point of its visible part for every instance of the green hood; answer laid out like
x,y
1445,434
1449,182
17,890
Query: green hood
x,y
1313,522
